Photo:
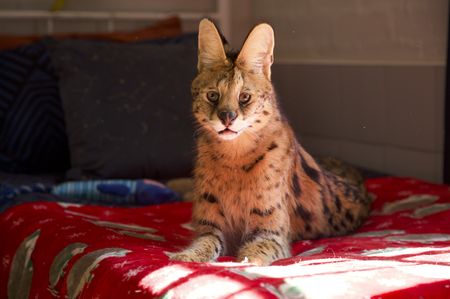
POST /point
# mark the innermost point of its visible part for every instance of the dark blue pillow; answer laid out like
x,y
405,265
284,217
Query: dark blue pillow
x,y
127,106
32,130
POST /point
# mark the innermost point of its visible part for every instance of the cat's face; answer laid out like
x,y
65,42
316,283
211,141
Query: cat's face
x,y
232,95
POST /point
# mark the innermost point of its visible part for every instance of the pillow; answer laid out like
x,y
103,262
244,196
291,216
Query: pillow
x,y
130,192
169,27
127,107
32,129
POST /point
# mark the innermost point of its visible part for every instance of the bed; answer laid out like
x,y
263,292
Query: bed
x,y
77,219
67,250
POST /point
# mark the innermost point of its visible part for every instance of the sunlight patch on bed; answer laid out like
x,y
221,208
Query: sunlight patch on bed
x,y
204,286
319,267
160,279
353,284
432,258
426,271
228,264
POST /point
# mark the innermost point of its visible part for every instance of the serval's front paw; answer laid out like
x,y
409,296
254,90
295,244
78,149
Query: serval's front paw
x,y
188,256
262,253
257,260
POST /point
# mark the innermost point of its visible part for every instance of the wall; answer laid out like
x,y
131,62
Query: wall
x,y
39,27
363,80
359,79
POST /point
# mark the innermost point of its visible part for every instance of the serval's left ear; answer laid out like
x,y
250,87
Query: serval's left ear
x,y
257,53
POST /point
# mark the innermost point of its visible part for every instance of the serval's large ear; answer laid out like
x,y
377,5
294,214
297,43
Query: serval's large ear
x,y
210,47
257,52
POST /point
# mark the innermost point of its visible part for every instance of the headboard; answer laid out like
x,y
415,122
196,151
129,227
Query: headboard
x,y
73,17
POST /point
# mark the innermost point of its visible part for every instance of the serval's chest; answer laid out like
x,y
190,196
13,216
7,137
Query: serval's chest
x,y
237,193
241,188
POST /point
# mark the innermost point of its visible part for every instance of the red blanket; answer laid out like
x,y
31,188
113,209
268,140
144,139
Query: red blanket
x,y
55,250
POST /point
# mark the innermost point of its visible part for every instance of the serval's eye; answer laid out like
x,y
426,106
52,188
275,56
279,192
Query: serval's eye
x,y
213,96
244,98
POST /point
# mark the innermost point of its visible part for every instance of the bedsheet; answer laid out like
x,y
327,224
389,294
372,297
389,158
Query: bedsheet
x,y
57,250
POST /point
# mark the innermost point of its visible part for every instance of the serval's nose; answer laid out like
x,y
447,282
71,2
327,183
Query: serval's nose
x,y
227,117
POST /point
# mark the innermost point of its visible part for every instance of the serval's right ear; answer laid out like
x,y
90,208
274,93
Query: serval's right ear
x,y
211,52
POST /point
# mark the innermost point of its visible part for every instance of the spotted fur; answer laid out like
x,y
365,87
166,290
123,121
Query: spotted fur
x,y
256,188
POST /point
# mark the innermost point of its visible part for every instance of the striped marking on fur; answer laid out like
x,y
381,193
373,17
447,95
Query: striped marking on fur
x,y
209,198
250,166
262,213
208,223
296,186
311,172
303,213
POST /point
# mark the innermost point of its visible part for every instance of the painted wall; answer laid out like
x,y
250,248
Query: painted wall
x,y
359,79
363,80
114,5
39,27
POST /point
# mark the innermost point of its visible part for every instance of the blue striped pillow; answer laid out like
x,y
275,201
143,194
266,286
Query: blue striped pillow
x,y
32,130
